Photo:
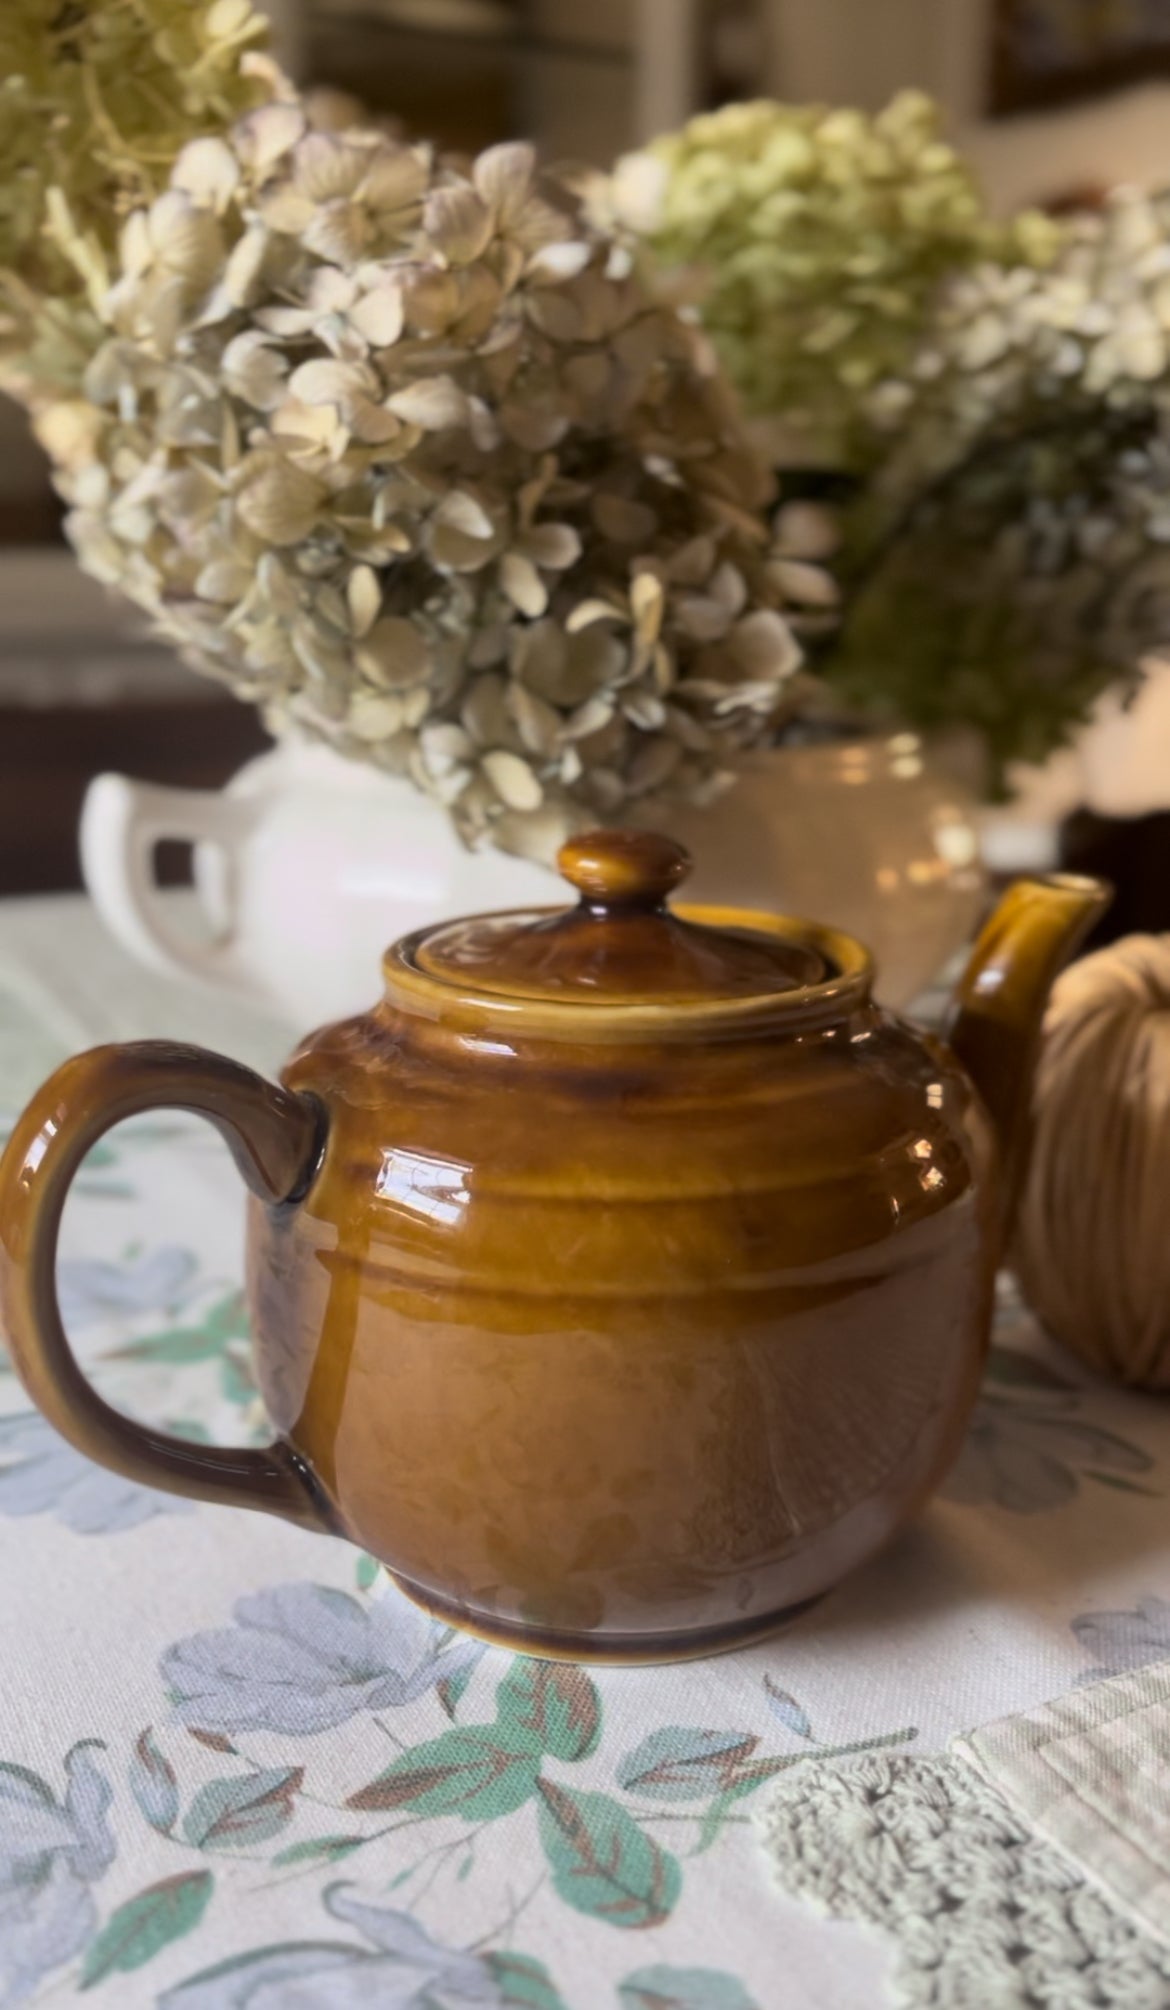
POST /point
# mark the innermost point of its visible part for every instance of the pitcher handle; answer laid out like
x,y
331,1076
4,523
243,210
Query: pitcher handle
x,y
275,1139
121,823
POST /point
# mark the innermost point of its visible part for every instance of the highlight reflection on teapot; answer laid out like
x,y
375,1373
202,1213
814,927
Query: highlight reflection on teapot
x,y
621,1281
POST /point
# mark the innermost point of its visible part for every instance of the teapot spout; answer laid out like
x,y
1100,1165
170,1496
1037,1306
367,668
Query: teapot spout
x,y
998,1008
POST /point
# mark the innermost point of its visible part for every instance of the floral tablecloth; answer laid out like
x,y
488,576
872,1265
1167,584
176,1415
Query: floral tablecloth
x,y
237,1772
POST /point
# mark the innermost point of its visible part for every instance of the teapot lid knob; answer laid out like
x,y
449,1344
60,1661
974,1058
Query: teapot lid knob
x,y
623,868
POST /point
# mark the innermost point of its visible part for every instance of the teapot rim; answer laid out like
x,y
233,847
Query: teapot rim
x,y
426,993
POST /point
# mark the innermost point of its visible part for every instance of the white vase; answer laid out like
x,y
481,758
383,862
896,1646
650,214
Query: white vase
x,y
307,865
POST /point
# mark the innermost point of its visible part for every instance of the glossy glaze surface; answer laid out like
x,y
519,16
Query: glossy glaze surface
x,y
618,1318
620,1343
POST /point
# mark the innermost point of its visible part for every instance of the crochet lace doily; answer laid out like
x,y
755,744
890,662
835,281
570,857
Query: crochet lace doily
x,y
982,1914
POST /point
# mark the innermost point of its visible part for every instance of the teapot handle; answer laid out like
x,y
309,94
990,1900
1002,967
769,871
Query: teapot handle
x,y
275,1139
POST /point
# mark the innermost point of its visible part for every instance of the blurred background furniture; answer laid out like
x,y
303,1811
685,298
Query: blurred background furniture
x,y
83,688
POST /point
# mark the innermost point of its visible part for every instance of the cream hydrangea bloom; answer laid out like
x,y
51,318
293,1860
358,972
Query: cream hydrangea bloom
x,y
406,454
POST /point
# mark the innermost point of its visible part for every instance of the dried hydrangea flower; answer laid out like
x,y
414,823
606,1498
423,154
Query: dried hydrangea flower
x,y
408,455
812,240
1090,331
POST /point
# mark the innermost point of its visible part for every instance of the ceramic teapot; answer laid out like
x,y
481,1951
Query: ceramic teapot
x,y
621,1281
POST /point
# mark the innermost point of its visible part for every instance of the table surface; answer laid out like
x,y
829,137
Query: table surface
x,y
239,1772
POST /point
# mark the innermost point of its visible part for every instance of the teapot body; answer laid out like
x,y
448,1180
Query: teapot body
x,y
626,1351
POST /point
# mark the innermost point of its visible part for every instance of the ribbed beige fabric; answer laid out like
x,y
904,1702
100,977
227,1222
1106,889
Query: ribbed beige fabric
x,y
1090,1772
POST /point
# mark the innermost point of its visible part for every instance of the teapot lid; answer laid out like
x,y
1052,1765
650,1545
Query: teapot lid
x,y
620,944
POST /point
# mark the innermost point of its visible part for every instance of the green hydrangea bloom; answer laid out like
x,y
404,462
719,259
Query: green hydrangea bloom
x,y
97,97
821,237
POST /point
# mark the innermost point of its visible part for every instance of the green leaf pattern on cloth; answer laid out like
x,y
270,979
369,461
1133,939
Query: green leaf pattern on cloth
x,y
146,1923
554,1705
602,1862
677,1764
683,1989
469,1771
153,1783
524,1984
239,1813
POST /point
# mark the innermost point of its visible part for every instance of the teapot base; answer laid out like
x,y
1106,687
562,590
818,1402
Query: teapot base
x,y
613,1650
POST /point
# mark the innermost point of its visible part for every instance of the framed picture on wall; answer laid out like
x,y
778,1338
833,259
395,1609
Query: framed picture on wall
x,y
1045,52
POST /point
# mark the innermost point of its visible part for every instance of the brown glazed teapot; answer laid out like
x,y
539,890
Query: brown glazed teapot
x,y
621,1280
